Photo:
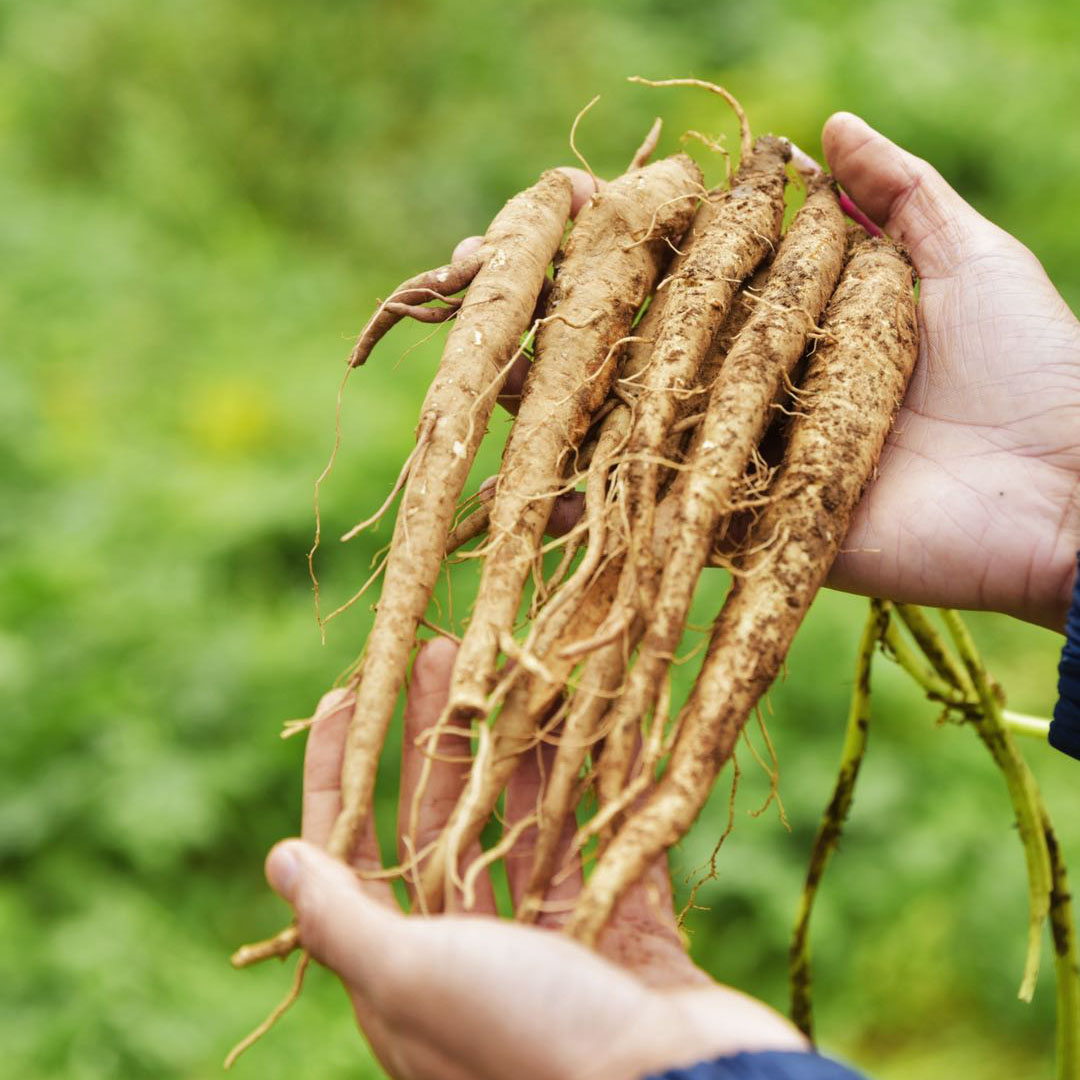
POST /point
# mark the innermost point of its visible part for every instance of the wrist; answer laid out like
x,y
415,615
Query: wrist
x,y
691,1025
1050,606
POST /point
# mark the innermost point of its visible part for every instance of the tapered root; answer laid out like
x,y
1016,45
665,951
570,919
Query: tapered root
x,y
853,387
281,944
721,391
405,301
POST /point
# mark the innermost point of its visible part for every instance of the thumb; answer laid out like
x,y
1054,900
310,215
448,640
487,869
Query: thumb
x,y
904,194
340,925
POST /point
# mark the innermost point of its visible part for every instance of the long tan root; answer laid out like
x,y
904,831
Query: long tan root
x,y
514,732
404,301
802,278
853,387
600,284
697,388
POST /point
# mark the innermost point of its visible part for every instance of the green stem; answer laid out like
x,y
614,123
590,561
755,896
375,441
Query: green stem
x,y
973,691
832,822
932,683
938,681
1063,933
990,727
1035,727
935,647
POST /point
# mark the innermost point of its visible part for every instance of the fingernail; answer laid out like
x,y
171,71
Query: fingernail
x,y
282,868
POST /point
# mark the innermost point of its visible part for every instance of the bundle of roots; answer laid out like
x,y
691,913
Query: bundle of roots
x,y
721,389
680,327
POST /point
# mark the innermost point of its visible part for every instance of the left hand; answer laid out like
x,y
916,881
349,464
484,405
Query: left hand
x,y
469,995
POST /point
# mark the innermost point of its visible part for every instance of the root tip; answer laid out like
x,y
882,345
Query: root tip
x,y
280,945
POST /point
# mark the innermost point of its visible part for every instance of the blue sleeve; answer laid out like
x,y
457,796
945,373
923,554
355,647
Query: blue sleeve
x,y
769,1065
1065,727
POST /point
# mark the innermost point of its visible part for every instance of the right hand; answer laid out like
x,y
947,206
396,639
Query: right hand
x,y
977,499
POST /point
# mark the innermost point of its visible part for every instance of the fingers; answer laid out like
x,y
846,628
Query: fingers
x,y
322,765
566,513
322,789
902,193
585,186
523,795
510,394
469,991
339,924
448,761
448,768
469,246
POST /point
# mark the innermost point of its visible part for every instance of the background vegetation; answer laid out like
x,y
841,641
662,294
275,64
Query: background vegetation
x,y
201,199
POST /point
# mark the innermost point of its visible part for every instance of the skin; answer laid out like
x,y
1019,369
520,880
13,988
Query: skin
x,y
977,500
472,996
976,505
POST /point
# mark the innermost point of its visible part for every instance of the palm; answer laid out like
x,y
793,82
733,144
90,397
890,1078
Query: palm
x,y
470,995
975,504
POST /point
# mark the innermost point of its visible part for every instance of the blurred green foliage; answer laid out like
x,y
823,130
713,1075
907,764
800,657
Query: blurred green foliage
x,y
201,198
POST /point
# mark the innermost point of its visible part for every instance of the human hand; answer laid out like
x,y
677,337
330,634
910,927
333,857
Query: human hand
x,y
469,995
977,499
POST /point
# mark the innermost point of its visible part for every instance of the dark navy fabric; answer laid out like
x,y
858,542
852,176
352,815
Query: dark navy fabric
x,y
769,1065
1065,727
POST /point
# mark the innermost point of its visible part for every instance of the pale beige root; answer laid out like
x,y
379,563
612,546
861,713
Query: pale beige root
x,y
614,430
281,944
606,663
275,1014
486,335
554,646
553,618
691,407
533,697
405,301
514,731
612,260
608,652
745,139
694,321
469,528
855,381
621,727
784,314
517,249
648,145
598,685
733,232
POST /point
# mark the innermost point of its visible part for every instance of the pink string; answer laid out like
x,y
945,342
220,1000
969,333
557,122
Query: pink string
x,y
857,215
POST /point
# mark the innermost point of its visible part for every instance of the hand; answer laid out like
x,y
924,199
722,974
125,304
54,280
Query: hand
x,y
471,996
977,499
